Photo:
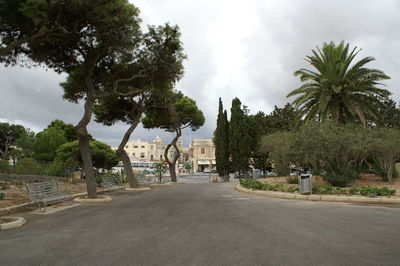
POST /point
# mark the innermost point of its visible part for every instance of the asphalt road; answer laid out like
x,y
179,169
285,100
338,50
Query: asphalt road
x,y
206,224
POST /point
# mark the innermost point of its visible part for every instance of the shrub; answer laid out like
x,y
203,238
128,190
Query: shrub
x,y
292,189
278,146
254,184
374,191
320,189
4,166
99,179
365,191
292,180
341,176
28,166
2,195
326,189
384,146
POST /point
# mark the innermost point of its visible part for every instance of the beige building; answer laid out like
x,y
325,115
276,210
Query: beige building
x,y
152,151
202,154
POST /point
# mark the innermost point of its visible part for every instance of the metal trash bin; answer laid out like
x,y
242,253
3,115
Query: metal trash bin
x,y
305,184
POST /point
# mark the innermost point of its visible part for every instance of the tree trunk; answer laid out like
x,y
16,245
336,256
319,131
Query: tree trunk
x,y
172,164
126,161
83,136
121,153
172,172
86,155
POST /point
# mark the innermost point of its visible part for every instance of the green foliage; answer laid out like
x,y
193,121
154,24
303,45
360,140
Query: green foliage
x,y
341,176
68,157
278,146
68,129
280,119
2,195
28,166
8,136
179,112
4,166
160,63
326,189
374,191
98,44
339,90
25,145
239,137
187,166
47,143
338,153
319,189
221,141
99,180
254,184
384,147
365,191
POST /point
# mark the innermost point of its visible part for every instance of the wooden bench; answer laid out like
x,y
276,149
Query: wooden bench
x,y
109,183
46,193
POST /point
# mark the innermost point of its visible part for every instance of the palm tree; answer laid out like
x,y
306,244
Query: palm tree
x,y
339,89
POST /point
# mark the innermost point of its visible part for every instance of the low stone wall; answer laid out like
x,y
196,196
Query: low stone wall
x,y
29,178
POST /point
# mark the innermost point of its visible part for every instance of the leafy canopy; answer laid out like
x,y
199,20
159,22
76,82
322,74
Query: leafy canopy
x,y
339,89
179,112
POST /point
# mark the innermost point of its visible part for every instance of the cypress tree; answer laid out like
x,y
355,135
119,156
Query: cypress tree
x,y
239,137
221,140
225,145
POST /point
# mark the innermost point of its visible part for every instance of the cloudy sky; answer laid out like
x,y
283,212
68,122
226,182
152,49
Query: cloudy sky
x,y
245,49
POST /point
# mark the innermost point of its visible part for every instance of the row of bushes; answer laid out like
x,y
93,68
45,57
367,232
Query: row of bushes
x,y
338,153
254,184
365,191
319,189
25,166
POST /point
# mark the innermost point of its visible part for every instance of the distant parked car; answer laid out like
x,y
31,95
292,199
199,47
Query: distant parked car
x,y
206,170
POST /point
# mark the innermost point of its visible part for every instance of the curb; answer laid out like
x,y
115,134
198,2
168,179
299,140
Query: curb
x,y
346,199
20,221
16,208
102,199
22,207
160,185
177,183
138,189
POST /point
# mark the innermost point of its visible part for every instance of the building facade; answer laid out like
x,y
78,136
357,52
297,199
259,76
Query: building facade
x,y
202,154
152,151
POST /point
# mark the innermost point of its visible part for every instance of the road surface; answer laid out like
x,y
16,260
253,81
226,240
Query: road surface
x,y
206,224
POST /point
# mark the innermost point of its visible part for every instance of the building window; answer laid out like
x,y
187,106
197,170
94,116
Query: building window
x,y
127,146
136,147
142,155
161,157
142,147
203,150
133,154
151,157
